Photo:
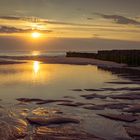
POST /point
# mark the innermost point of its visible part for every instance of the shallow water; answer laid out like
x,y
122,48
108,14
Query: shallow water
x,y
54,81
35,79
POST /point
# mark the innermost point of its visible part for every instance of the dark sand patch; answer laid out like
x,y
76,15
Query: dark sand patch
x,y
133,109
77,90
40,101
94,95
122,89
93,89
133,132
109,106
69,97
51,121
29,100
94,107
72,104
123,83
135,89
128,96
52,101
120,117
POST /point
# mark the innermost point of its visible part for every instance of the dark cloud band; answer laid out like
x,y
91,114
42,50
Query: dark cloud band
x,y
119,19
41,21
9,29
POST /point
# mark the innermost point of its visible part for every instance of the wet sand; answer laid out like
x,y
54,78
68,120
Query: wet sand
x,y
51,119
63,60
68,60
80,61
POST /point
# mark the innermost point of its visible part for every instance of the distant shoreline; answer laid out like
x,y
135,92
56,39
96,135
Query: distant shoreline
x,y
64,60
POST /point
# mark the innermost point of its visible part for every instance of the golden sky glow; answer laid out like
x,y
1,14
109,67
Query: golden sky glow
x,y
104,28
69,24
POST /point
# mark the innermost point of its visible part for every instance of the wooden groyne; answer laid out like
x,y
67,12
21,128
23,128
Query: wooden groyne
x,y
130,57
79,54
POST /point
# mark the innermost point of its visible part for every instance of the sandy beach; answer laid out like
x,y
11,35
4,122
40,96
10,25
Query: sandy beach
x,y
80,61
64,60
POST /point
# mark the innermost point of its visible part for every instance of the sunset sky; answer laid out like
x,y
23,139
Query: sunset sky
x,y
69,24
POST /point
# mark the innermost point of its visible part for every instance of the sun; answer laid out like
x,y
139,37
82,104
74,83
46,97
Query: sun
x,y
35,35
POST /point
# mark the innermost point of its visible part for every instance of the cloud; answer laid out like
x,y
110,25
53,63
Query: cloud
x,y
119,19
10,17
89,18
6,29
43,21
9,29
66,23
29,19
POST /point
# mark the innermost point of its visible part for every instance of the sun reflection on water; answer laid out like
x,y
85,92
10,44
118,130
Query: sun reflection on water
x,y
52,75
36,67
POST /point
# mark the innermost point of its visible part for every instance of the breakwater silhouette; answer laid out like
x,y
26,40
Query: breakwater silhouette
x,y
130,57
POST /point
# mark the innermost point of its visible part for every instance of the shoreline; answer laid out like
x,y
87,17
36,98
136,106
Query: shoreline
x,y
64,60
59,60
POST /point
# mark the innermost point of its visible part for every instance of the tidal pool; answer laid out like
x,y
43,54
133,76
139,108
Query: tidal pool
x,y
64,86
35,79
